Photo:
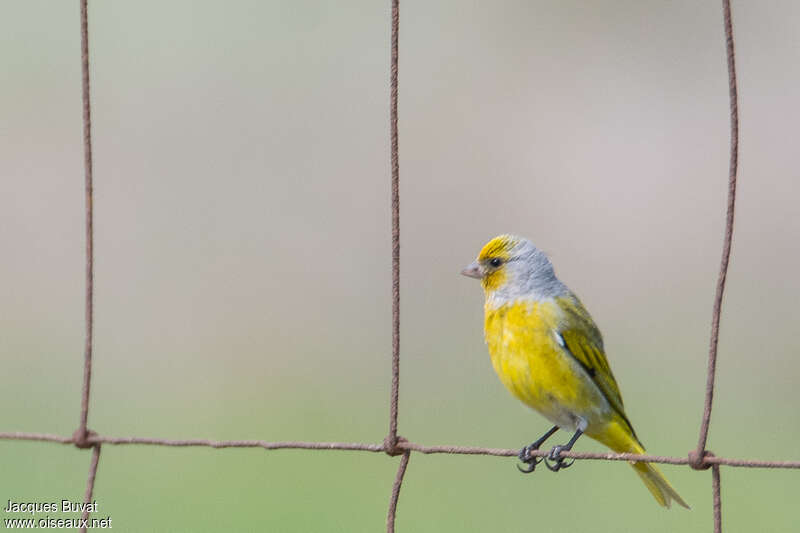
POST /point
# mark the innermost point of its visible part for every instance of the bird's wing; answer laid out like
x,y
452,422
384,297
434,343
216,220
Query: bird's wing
x,y
583,341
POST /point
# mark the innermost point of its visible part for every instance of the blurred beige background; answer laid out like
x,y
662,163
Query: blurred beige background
x,y
242,252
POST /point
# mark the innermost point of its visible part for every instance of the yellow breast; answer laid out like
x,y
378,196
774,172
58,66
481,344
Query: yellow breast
x,y
530,362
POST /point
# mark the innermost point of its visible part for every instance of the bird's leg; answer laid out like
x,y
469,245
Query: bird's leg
x,y
524,453
555,453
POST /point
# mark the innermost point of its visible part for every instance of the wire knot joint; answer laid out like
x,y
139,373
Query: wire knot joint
x,y
83,438
698,462
393,447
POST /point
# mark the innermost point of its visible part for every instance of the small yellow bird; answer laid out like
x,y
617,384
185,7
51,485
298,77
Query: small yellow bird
x,y
548,352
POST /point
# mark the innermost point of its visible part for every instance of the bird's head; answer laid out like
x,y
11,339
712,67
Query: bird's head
x,y
511,268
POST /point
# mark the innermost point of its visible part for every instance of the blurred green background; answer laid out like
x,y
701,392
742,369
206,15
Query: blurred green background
x,y
242,253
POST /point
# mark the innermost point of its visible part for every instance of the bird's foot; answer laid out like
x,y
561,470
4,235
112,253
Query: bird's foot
x,y
526,457
525,453
559,463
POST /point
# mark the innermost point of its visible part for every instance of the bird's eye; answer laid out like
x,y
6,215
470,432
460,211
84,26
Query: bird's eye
x,y
496,262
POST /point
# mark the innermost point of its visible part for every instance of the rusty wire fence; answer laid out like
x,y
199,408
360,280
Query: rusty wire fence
x,y
393,444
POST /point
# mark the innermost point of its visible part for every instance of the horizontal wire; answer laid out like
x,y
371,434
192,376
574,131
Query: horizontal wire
x,y
43,437
355,446
402,445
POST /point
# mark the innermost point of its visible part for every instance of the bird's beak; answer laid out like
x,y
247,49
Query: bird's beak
x,y
473,270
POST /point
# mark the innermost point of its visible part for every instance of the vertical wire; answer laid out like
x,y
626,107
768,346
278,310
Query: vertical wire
x,y
87,498
398,482
395,164
726,247
81,434
715,490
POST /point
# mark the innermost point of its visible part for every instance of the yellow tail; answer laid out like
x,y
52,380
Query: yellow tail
x,y
619,438
657,484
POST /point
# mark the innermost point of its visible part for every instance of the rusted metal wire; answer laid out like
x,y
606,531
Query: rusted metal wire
x,y
391,438
87,498
728,238
402,445
40,437
398,482
717,498
82,431
699,458
286,445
